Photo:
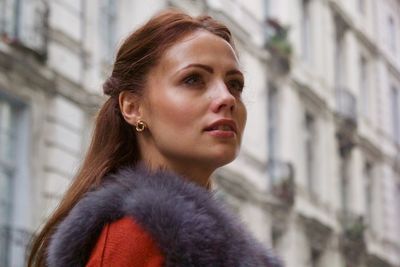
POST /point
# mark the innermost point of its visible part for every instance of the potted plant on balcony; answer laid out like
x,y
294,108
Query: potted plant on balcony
x,y
355,230
278,44
352,240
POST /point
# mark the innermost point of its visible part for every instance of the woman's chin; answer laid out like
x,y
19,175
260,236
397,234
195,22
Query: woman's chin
x,y
223,157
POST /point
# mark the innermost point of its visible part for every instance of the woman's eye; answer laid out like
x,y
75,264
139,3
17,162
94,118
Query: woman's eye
x,y
236,85
193,79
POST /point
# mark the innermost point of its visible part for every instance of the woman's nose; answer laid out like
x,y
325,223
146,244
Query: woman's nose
x,y
222,98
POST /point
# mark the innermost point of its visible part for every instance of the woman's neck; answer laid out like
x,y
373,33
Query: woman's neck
x,y
200,176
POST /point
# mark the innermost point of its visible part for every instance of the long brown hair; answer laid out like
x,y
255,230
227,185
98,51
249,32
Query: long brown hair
x,y
114,141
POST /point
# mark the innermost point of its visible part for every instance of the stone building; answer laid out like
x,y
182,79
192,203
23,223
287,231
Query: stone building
x,y
318,177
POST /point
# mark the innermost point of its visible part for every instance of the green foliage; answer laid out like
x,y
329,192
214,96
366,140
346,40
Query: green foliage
x,y
356,230
278,42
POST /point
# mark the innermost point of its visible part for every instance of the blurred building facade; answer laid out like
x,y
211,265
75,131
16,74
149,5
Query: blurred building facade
x,y
318,177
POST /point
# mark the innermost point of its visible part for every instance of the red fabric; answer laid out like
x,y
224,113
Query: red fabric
x,y
124,243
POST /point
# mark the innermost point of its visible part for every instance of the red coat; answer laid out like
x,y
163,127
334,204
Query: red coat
x,y
116,247
153,219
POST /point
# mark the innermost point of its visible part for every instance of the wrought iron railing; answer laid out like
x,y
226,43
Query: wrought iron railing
x,y
25,24
281,175
346,105
352,239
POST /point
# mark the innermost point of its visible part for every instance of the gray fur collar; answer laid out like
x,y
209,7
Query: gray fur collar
x,y
190,226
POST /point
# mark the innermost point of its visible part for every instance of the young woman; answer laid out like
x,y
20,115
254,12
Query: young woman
x,y
174,115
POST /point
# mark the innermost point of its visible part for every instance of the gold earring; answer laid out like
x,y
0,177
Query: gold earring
x,y
140,126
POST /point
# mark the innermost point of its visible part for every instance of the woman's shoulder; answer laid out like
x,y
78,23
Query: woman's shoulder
x,y
74,238
132,193
125,243
179,216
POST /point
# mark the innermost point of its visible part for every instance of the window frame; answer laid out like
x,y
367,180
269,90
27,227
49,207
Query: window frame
x,y
306,30
392,34
15,228
108,20
395,112
364,85
310,122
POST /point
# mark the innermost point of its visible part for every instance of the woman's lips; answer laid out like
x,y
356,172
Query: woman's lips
x,y
222,125
222,133
222,128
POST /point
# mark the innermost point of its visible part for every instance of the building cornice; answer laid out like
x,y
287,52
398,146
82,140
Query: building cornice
x,y
367,40
18,66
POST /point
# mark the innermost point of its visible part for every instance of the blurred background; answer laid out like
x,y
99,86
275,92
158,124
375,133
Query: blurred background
x,y
318,177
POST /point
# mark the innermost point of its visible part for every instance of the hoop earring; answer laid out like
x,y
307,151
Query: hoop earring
x,y
140,126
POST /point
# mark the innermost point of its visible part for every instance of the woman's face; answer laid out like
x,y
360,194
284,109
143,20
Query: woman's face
x,y
192,105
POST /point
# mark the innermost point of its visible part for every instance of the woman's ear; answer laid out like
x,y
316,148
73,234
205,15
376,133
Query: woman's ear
x,y
130,106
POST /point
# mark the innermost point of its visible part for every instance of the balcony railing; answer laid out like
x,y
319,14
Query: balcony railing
x,y
318,232
352,240
346,105
346,114
278,44
25,25
281,176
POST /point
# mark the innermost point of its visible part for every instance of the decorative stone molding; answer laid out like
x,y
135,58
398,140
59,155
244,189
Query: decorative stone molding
x,y
318,233
375,261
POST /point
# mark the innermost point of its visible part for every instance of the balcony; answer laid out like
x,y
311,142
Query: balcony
x,y
352,240
25,26
374,261
277,43
346,106
318,232
346,118
282,184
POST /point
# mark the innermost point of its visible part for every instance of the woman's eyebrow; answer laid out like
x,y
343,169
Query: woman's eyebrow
x,y
235,71
198,65
211,70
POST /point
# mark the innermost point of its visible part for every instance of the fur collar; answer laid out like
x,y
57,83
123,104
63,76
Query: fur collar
x,y
190,226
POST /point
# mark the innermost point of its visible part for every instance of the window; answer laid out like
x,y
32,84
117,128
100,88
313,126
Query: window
x,y
397,206
344,182
395,105
364,85
108,28
306,30
310,149
273,131
267,8
24,22
7,168
7,18
340,53
369,201
361,6
13,238
272,121
392,35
